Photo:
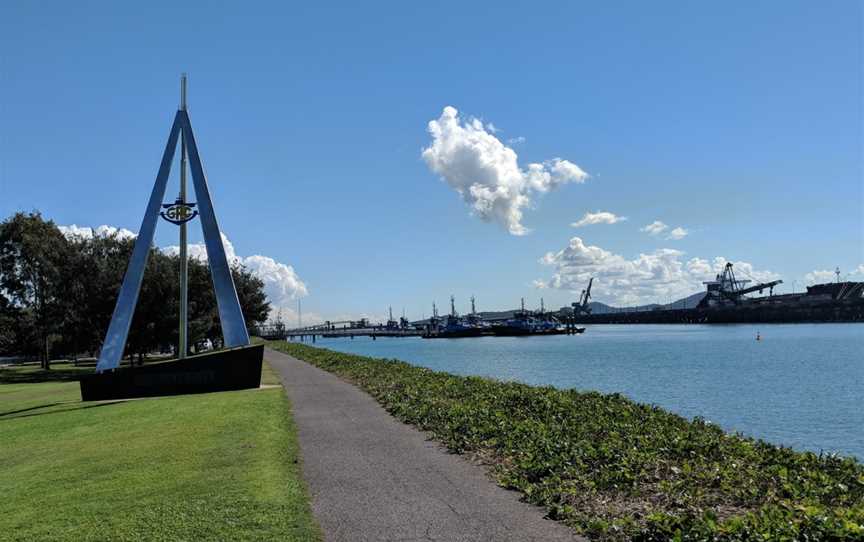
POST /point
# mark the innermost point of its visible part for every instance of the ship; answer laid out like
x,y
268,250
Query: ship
x,y
524,323
454,326
726,300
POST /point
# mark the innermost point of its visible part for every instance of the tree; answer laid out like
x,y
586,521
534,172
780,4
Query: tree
x,y
154,324
9,317
32,252
203,311
91,274
57,295
250,292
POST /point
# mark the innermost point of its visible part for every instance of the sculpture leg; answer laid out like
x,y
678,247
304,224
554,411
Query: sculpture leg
x,y
118,330
230,315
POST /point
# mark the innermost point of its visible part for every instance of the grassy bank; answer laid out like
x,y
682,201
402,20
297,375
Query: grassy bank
x,y
220,466
613,468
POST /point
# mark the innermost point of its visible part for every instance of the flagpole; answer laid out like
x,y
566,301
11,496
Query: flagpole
x,y
184,262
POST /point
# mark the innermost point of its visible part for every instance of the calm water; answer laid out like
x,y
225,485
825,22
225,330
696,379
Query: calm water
x,y
802,385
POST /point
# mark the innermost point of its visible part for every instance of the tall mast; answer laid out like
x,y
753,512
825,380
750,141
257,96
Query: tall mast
x,y
184,261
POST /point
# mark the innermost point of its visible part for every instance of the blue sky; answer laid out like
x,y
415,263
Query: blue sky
x,y
740,123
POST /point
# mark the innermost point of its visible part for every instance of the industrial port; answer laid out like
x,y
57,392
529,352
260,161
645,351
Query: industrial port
x,y
726,300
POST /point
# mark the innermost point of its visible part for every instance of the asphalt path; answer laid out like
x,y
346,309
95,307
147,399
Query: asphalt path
x,y
373,478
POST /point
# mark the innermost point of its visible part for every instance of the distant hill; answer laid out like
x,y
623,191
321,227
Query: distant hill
x,y
688,302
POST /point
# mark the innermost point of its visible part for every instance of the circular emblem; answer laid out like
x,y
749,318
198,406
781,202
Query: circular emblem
x,y
178,212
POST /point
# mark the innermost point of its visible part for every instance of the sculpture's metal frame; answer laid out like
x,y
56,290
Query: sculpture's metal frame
x,y
230,315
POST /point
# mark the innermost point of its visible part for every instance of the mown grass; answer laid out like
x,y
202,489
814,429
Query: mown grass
x,y
220,466
615,469
31,373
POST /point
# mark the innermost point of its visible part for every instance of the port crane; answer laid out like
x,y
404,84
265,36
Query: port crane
x,y
727,287
582,306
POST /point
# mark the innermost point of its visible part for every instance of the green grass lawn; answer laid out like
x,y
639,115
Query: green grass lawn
x,y
220,466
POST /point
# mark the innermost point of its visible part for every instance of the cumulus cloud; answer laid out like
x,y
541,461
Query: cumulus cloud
x,y
677,233
600,217
281,283
651,277
657,227
486,172
820,276
654,228
87,232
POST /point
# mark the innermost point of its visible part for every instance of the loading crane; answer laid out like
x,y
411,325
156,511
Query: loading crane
x,y
582,306
728,288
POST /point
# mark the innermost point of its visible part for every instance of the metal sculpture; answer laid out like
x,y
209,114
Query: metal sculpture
x,y
179,212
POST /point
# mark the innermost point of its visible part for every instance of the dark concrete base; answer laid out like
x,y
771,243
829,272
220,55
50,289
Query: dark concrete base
x,y
233,369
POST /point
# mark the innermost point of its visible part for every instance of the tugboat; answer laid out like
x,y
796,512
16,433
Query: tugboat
x,y
455,326
526,322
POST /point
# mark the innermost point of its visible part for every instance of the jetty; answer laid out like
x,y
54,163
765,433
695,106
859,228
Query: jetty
x,y
328,330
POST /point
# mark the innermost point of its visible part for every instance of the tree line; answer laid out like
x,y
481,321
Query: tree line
x,y
57,294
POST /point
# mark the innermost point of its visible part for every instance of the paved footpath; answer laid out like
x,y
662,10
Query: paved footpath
x,y
373,478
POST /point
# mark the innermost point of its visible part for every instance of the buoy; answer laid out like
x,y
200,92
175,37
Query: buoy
x,y
758,336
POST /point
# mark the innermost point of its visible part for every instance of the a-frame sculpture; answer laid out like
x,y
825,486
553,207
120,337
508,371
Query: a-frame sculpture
x,y
230,315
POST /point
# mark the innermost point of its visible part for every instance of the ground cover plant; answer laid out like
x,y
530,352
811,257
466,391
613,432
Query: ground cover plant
x,y
217,466
615,469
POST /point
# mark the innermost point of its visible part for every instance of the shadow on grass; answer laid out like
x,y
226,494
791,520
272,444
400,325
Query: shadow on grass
x,y
11,412
76,405
35,376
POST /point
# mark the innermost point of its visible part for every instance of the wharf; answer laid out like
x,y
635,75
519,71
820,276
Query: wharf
x,y
320,332
765,311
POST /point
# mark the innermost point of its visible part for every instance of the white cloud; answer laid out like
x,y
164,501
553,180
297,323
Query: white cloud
x,y
657,227
281,283
516,140
654,228
600,217
100,231
677,233
486,173
820,276
652,277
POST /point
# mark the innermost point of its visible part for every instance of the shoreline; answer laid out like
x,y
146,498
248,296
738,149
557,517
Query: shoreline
x,y
608,466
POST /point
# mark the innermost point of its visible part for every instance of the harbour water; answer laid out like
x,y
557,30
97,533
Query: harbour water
x,y
802,385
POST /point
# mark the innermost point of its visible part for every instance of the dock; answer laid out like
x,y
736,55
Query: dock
x,y
331,331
